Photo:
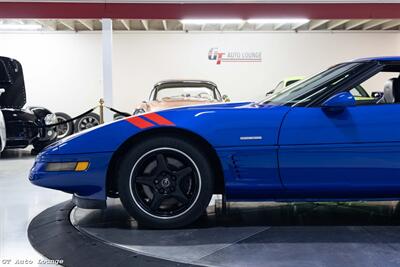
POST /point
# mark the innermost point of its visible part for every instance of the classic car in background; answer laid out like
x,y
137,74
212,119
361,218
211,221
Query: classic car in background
x,y
177,93
24,126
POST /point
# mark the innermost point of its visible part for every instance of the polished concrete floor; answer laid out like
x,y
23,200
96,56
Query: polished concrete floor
x,y
252,234
261,234
19,203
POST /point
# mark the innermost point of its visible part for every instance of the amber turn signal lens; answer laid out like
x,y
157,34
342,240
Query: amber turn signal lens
x,y
82,166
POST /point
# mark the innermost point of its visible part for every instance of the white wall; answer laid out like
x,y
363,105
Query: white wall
x,y
143,59
63,71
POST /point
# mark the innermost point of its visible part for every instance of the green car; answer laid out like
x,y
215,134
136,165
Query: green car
x,y
358,92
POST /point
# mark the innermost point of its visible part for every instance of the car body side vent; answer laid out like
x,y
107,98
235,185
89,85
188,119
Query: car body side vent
x,y
235,165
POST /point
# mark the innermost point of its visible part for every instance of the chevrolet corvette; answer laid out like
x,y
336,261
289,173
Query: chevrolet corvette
x,y
310,142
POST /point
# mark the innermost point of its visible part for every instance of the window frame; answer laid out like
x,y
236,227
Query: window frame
x,y
374,68
380,66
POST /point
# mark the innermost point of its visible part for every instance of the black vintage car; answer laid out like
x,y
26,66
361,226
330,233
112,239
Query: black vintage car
x,y
24,126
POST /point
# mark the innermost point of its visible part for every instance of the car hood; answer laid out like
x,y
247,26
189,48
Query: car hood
x,y
222,125
12,81
220,105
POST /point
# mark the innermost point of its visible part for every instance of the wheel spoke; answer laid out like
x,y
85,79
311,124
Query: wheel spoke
x,y
156,201
161,163
183,173
144,180
180,196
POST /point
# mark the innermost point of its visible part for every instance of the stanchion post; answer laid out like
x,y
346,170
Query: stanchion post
x,y
101,102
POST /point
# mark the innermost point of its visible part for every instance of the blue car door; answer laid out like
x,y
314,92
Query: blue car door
x,y
354,153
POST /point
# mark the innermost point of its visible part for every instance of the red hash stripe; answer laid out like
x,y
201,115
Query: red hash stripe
x,y
160,120
140,123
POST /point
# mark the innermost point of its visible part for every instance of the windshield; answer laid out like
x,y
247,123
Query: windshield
x,y
292,82
185,93
305,91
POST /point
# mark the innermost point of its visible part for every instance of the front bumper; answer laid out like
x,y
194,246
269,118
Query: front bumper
x,y
48,134
87,186
87,203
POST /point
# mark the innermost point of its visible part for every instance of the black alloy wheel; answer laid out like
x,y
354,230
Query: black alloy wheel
x,y
165,182
165,186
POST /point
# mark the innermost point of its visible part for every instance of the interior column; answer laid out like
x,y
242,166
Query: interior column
x,y
107,42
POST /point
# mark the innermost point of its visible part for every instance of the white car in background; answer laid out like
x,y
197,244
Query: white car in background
x,y
2,128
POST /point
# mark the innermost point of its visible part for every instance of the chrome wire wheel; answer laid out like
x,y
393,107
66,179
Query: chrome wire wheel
x,y
88,121
62,129
65,129
165,183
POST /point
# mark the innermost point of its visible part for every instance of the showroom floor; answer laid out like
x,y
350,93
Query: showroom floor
x,y
261,234
300,234
19,203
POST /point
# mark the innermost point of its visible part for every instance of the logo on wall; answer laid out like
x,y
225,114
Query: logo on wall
x,y
219,56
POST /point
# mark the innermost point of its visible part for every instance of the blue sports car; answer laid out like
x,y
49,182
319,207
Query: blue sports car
x,y
310,142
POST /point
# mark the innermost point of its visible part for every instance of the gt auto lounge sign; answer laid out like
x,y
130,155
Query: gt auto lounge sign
x,y
219,56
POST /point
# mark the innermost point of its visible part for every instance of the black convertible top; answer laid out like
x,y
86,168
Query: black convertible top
x,y
188,83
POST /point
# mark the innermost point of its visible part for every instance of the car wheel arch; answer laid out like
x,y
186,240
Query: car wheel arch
x,y
111,181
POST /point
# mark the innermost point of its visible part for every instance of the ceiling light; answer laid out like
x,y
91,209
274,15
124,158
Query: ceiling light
x,y
278,21
14,27
211,21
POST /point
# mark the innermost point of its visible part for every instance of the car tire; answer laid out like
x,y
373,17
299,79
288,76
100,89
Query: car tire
x,y
118,117
138,111
86,122
165,182
66,129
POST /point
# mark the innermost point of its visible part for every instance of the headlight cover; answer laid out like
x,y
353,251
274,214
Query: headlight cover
x,y
50,119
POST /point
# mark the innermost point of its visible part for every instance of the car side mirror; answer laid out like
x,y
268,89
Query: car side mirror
x,y
339,102
2,91
226,98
